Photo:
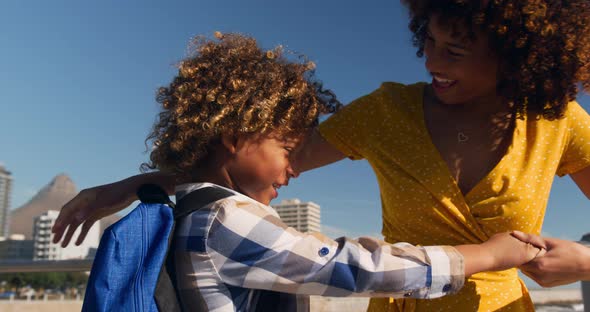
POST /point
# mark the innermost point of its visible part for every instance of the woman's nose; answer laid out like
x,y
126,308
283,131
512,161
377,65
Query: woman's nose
x,y
432,64
435,62
292,173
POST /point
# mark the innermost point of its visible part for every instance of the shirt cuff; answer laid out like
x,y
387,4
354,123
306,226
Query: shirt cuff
x,y
447,270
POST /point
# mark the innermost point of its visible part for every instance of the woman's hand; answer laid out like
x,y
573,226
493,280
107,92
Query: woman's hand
x,y
87,207
565,262
95,203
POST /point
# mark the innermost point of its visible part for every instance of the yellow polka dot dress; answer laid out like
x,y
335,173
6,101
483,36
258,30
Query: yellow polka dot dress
x,y
422,203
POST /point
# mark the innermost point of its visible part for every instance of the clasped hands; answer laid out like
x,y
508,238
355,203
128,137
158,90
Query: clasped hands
x,y
560,261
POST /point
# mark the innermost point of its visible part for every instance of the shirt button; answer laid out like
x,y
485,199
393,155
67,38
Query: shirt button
x,y
447,287
324,252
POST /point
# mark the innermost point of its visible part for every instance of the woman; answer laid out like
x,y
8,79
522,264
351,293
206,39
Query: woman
x,y
469,155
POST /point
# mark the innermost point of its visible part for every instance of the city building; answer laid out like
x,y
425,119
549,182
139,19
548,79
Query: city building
x,y
16,247
45,249
303,216
5,189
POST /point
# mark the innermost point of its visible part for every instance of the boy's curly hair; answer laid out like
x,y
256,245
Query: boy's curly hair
x,y
543,45
229,85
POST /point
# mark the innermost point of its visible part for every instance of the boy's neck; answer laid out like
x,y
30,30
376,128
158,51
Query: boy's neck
x,y
213,171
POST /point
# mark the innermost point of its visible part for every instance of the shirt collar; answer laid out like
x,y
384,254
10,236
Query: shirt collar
x,y
183,189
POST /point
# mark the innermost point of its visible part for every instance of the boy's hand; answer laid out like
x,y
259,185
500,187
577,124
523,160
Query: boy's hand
x,y
533,239
87,207
501,252
509,252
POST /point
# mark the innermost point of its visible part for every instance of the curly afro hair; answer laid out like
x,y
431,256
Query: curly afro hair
x,y
229,85
543,45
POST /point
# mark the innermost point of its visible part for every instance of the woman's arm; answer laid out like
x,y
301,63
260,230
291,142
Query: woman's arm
x,y
315,152
582,179
95,203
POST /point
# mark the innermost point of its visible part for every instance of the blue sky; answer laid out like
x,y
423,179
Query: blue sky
x,y
78,82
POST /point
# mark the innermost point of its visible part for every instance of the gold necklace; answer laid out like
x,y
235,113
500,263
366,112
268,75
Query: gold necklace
x,y
462,137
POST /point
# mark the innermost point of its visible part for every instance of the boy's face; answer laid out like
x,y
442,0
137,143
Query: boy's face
x,y
261,164
463,70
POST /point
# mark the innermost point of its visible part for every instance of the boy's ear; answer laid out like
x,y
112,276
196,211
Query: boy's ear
x,y
230,142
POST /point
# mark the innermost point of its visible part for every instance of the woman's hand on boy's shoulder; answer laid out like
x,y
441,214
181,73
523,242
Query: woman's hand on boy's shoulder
x,y
95,203
87,207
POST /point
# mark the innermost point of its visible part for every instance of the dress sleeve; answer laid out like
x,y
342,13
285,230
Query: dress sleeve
x,y
576,154
252,248
348,129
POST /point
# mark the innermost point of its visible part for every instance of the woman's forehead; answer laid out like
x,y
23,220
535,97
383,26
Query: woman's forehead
x,y
457,28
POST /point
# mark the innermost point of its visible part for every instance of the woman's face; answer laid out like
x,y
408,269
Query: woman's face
x,y
463,70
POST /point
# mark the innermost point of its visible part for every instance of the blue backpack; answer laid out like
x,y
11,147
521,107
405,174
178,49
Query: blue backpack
x,y
132,269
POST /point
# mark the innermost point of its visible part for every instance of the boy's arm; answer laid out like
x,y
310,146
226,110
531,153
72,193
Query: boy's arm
x,y
501,252
269,255
253,249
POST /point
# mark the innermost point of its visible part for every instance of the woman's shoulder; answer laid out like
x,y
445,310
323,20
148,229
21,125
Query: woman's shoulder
x,y
398,98
395,94
575,110
397,89
390,102
574,114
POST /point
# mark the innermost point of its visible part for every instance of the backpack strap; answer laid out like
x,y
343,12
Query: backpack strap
x,y
165,293
198,199
153,194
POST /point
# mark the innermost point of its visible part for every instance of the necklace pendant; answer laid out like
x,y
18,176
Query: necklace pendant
x,y
461,137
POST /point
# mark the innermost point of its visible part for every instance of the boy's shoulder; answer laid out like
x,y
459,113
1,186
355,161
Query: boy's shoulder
x,y
236,201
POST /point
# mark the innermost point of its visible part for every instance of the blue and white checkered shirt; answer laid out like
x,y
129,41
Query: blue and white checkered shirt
x,y
233,252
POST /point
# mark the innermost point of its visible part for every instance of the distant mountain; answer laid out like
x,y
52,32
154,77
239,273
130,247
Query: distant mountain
x,y
51,197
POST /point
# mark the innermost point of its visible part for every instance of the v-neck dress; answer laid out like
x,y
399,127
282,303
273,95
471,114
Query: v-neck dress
x,y
422,203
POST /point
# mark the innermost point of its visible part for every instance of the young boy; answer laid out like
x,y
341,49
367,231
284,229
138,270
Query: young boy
x,y
232,118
